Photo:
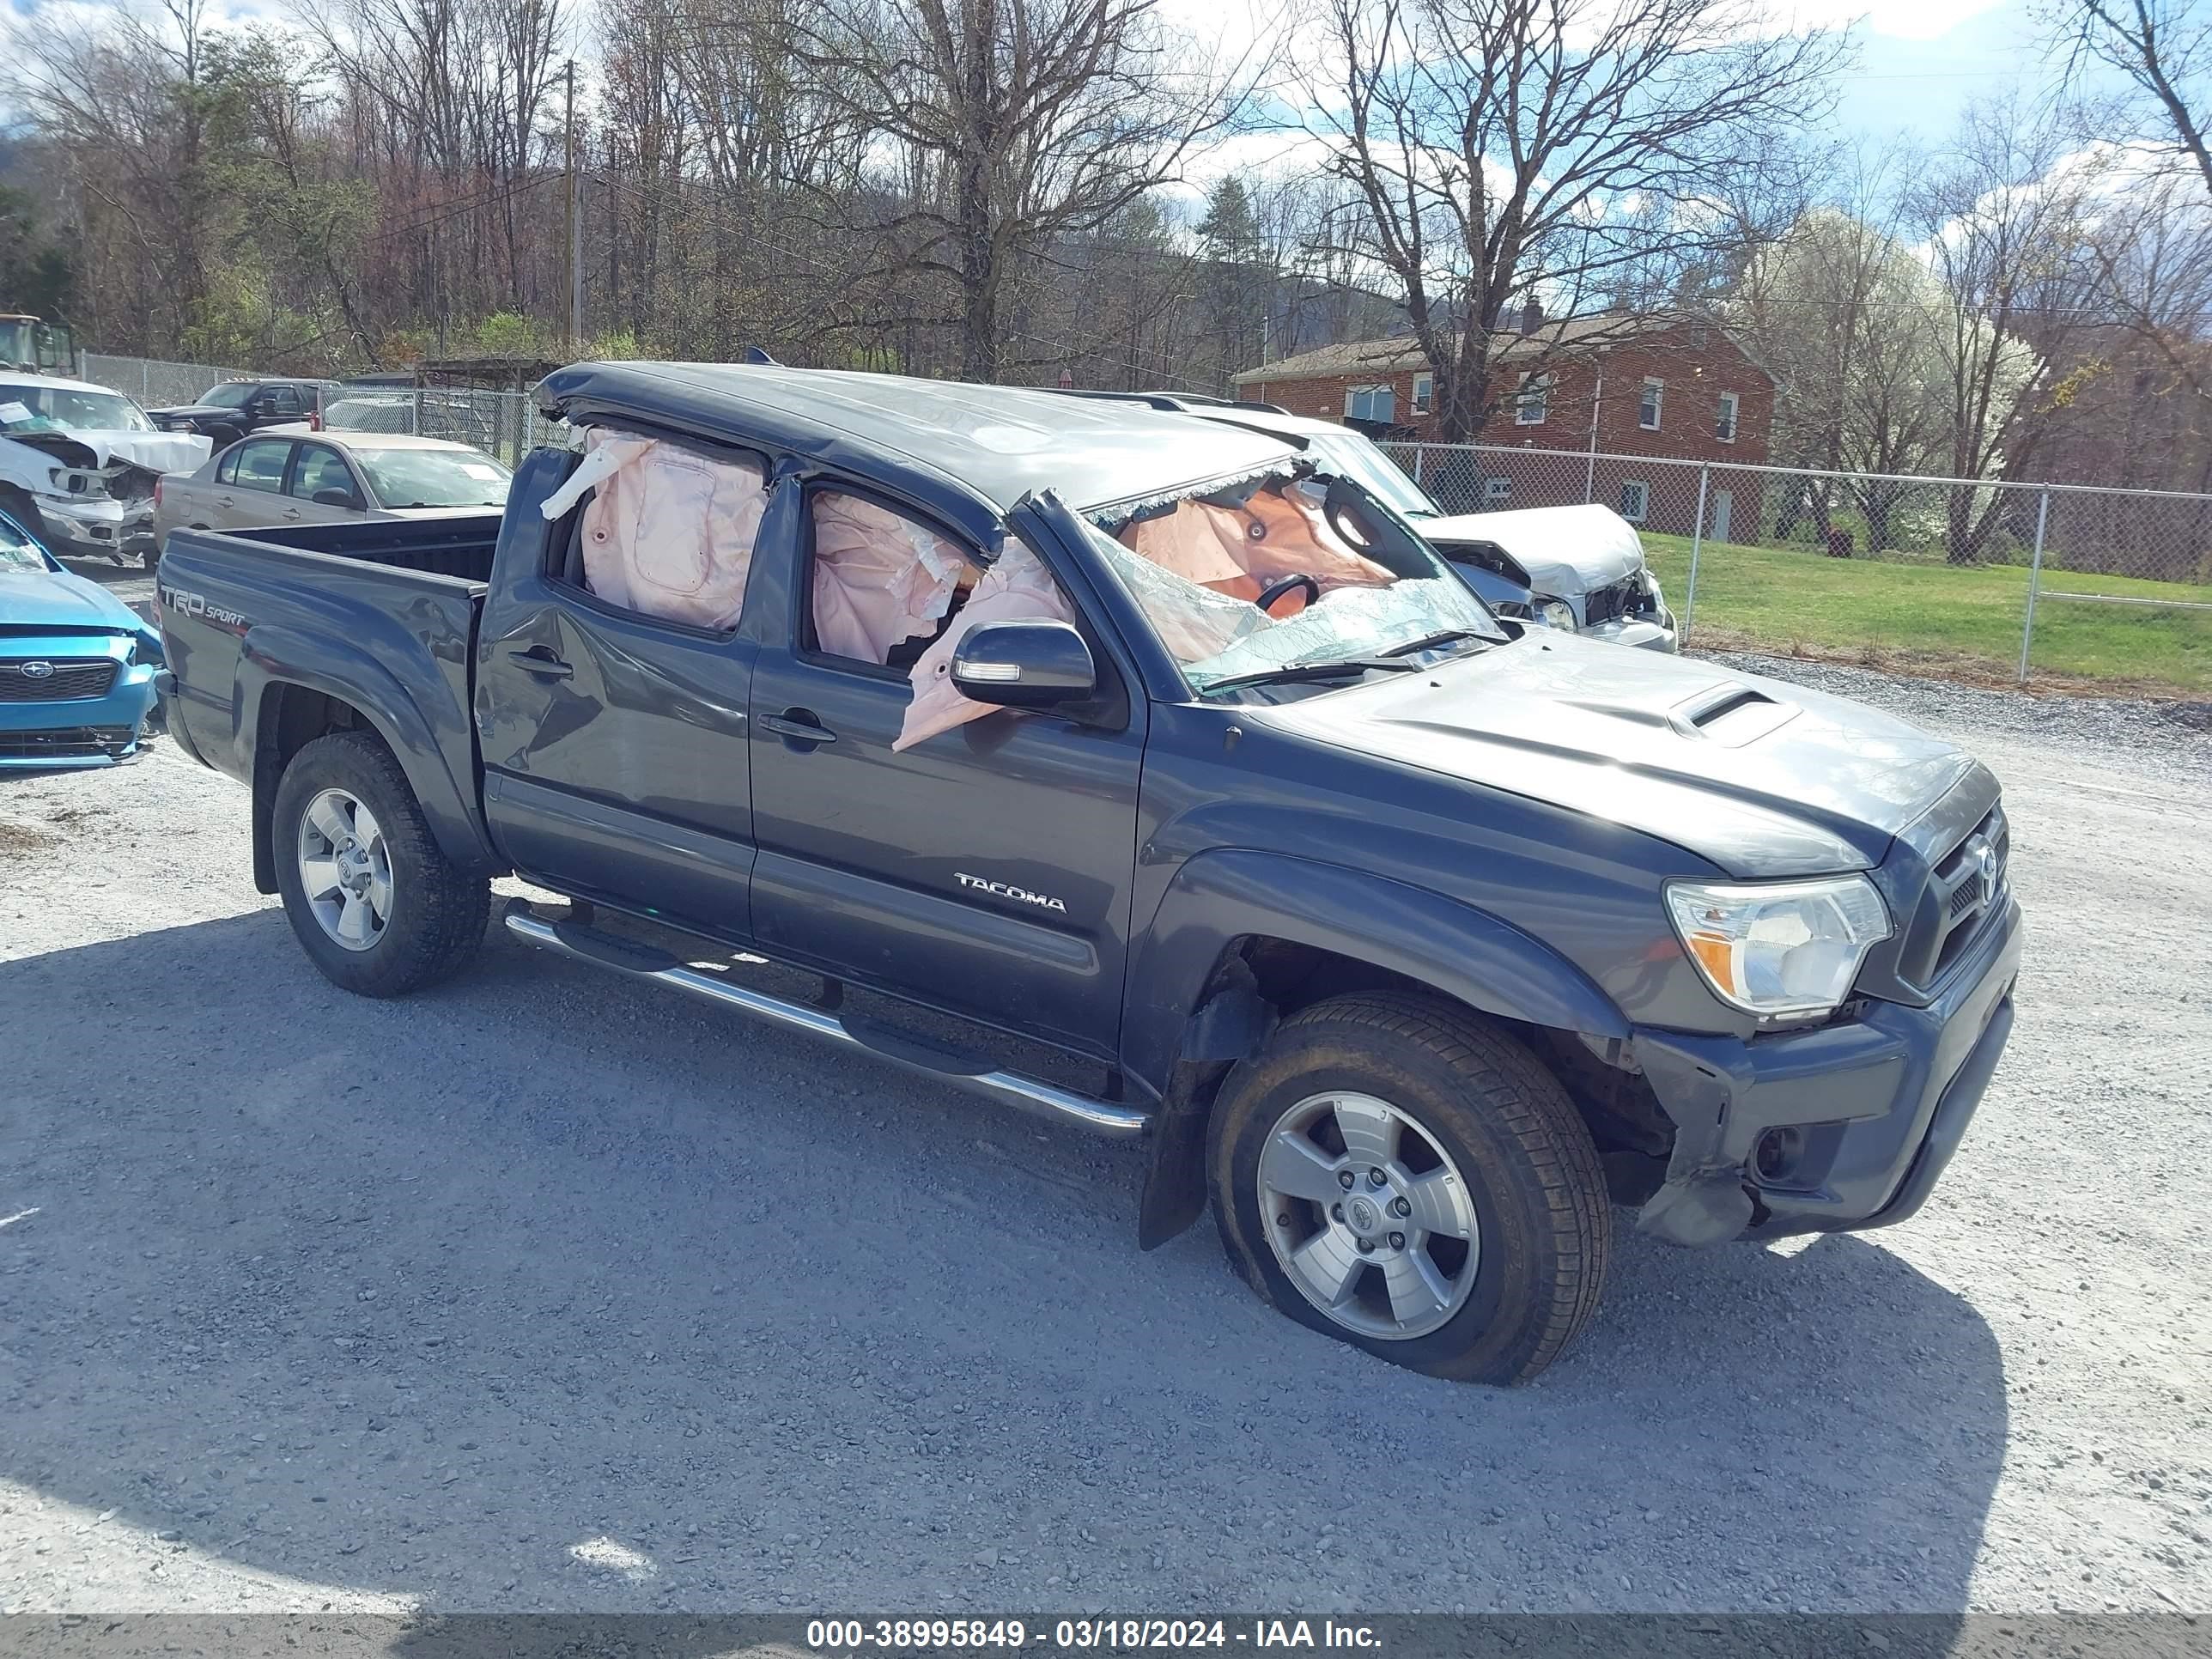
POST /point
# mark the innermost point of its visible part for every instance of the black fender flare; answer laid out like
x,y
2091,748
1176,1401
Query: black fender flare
x,y
1185,994
272,659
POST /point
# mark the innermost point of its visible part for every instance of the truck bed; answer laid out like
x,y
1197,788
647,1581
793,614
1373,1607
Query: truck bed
x,y
461,547
380,616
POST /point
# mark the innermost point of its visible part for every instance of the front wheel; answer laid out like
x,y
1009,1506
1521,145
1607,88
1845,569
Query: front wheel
x,y
1394,1172
375,903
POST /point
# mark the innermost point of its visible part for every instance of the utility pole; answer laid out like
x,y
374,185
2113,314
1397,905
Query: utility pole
x,y
574,337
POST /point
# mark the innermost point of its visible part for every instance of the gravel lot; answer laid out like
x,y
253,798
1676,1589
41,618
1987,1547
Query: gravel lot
x,y
544,1291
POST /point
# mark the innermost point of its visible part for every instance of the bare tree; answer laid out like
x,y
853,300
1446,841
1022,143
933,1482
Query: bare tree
x,y
2150,234
1843,315
2163,48
1999,215
1573,151
1014,126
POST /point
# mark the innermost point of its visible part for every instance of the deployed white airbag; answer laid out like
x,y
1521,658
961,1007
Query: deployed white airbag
x,y
1016,588
879,577
669,531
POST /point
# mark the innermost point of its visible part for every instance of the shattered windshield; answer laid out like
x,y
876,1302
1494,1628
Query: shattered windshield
x,y
1356,456
1243,582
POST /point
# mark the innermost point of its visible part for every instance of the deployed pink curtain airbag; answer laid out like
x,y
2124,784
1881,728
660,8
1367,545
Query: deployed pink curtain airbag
x,y
668,532
1016,588
879,577
1240,550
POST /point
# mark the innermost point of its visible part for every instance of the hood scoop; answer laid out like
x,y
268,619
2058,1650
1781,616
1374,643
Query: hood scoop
x,y
1730,714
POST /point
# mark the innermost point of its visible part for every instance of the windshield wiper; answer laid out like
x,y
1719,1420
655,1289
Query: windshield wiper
x,y
1443,636
1291,673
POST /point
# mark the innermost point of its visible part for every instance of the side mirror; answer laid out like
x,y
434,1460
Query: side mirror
x,y
344,498
1023,665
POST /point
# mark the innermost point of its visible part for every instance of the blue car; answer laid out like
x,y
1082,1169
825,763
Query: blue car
x,y
76,663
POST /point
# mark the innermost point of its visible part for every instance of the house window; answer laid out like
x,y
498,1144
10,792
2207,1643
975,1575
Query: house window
x,y
1534,401
1495,491
1425,392
1724,429
1378,403
1647,410
1635,500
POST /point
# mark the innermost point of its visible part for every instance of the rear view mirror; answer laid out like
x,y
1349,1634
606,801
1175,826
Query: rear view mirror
x,y
344,498
1023,665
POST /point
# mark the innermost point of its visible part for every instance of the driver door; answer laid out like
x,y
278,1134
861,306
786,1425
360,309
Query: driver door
x,y
984,870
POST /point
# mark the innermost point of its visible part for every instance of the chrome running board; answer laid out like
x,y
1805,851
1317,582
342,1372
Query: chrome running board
x,y
915,1055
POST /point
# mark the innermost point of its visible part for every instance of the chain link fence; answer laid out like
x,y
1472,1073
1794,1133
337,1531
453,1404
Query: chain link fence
x,y
153,383
2058,582
2061,583
506,424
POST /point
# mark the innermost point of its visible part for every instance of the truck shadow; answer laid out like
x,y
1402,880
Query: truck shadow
x,y
540,1291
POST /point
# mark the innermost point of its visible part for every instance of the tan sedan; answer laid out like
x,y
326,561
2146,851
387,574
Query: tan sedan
x,y
279,478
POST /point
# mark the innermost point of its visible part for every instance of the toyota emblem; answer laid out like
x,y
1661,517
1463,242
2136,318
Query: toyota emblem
x,y
38,670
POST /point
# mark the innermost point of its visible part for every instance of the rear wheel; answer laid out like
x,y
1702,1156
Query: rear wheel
x,y
1393,1172
375,902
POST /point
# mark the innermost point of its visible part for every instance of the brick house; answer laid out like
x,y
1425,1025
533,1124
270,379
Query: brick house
x,y
1670,388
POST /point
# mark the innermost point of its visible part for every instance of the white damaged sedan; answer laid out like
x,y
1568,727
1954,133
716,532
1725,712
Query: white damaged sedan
x,y
78,464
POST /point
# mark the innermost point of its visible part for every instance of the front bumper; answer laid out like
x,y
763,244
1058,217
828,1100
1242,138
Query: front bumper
x,y
98,524
1843,1127
1651,635
76,731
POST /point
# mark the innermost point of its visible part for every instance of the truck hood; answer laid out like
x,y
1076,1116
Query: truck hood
x,y
1759,778
1567,551
36,598
157,452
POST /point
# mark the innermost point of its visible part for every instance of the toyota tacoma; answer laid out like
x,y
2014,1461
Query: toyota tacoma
x,y
1411,941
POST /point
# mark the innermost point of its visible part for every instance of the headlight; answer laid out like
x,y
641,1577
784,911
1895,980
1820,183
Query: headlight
x,y
1776,949
1557,613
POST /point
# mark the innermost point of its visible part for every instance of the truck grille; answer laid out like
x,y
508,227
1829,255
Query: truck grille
x,y
66,678
1615,600
1966,892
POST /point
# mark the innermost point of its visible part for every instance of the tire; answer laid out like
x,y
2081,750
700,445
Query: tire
x,y
434,912
1479,1115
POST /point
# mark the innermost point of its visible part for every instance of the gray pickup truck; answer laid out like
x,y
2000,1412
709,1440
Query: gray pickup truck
x,y
1413,940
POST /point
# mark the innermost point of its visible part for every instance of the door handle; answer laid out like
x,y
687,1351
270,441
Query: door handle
x,y
797,725
291,512
226,501
540,660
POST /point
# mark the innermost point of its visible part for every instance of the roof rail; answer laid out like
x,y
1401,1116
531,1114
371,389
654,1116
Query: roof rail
x,y
1168,400
1149,399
